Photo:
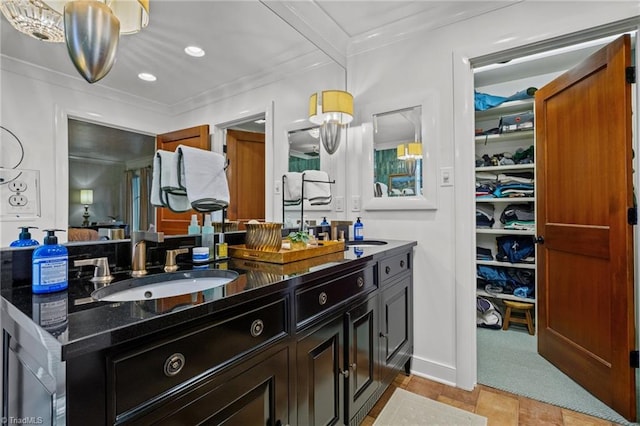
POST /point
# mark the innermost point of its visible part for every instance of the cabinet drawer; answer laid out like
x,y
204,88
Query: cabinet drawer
x,y
313,301
139,376
395,265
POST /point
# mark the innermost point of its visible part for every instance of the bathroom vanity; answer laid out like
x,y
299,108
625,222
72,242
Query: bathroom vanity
x,y
318,345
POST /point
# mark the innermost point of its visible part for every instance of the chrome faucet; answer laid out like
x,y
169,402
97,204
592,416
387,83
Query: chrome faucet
x,y
139,250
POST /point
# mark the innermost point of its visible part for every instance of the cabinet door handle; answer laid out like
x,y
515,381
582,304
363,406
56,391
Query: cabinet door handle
x,y
257,327
387,270
345,373
402,263
322,298
353,366
360,282
174,364
383,335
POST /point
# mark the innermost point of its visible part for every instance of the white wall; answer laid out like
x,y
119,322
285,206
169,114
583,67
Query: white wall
x,y
424,65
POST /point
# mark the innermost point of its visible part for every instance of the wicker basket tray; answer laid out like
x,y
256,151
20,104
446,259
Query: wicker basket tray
x,y
286,256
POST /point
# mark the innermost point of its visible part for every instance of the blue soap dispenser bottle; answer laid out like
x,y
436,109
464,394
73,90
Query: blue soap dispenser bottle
x,y
50,265
24,239
358,230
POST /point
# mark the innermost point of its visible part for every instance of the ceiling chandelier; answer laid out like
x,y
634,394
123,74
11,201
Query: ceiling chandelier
x,y
90,28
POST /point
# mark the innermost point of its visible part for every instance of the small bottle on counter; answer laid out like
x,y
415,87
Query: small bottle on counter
x,y
24,239
194,228
221,248
358,230
207,236
50,265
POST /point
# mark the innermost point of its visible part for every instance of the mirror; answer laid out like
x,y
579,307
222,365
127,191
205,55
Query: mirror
x,y
304,149
113,164
397,145
398,137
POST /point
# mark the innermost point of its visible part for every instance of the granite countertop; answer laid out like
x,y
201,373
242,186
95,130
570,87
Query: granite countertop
x,y
88,325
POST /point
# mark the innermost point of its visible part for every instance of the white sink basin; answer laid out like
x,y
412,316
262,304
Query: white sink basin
x,y
164,285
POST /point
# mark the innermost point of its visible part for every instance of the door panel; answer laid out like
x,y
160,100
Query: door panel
x,y
245,151
172,223
584,180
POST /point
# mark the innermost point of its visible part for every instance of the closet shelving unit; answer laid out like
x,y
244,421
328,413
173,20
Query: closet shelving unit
x,y
497,143
302,197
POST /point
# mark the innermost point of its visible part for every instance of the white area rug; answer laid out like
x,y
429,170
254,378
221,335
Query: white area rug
x,y
406,408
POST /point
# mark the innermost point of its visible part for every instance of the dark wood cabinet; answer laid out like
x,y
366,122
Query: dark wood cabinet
x,y
317,352
320,374
396,328
255,392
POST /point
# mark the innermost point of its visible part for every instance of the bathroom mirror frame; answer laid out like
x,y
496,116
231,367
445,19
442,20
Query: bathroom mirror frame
x,y
327,164
429,135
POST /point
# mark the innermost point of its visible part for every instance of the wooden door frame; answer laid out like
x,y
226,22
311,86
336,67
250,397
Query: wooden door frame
x,y
464,373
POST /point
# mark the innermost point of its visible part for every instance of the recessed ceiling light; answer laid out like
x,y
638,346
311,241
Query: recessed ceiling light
x,y
147,76
194,51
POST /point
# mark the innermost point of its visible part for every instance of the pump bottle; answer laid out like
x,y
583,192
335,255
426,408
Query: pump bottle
x,y
50,265
24,239
358,230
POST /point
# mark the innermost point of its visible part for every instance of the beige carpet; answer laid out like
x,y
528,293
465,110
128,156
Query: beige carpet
x,y
406,408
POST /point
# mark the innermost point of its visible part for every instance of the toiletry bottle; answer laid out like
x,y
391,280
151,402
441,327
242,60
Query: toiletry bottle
x,y
324,222
358,230
313,242
207,236
24,239
50,265
221,248
194,228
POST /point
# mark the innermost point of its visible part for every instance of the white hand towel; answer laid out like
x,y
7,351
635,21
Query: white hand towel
x,y
292,188
165,191
203,174
317,188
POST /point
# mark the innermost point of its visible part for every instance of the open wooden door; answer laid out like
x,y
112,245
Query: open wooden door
x,y
245,151
584,184
172,223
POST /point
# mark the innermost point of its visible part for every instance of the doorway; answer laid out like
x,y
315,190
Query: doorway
x,y
245,146
463,73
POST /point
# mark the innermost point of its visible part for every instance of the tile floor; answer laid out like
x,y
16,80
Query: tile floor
x,y
500,408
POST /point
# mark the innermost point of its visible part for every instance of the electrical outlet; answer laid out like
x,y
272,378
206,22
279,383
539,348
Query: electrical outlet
x,y
355,203
18,200
277,189
17,186
340,203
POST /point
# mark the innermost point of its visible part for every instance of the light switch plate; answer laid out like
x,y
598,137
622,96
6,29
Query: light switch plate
x,y
446,176
355,203
340,203
277,187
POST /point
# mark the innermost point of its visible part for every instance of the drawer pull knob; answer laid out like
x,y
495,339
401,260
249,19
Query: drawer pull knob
x,y
383,335
387,270
353,366
174,364
322,298
345,373
257,327
402,263
360,282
